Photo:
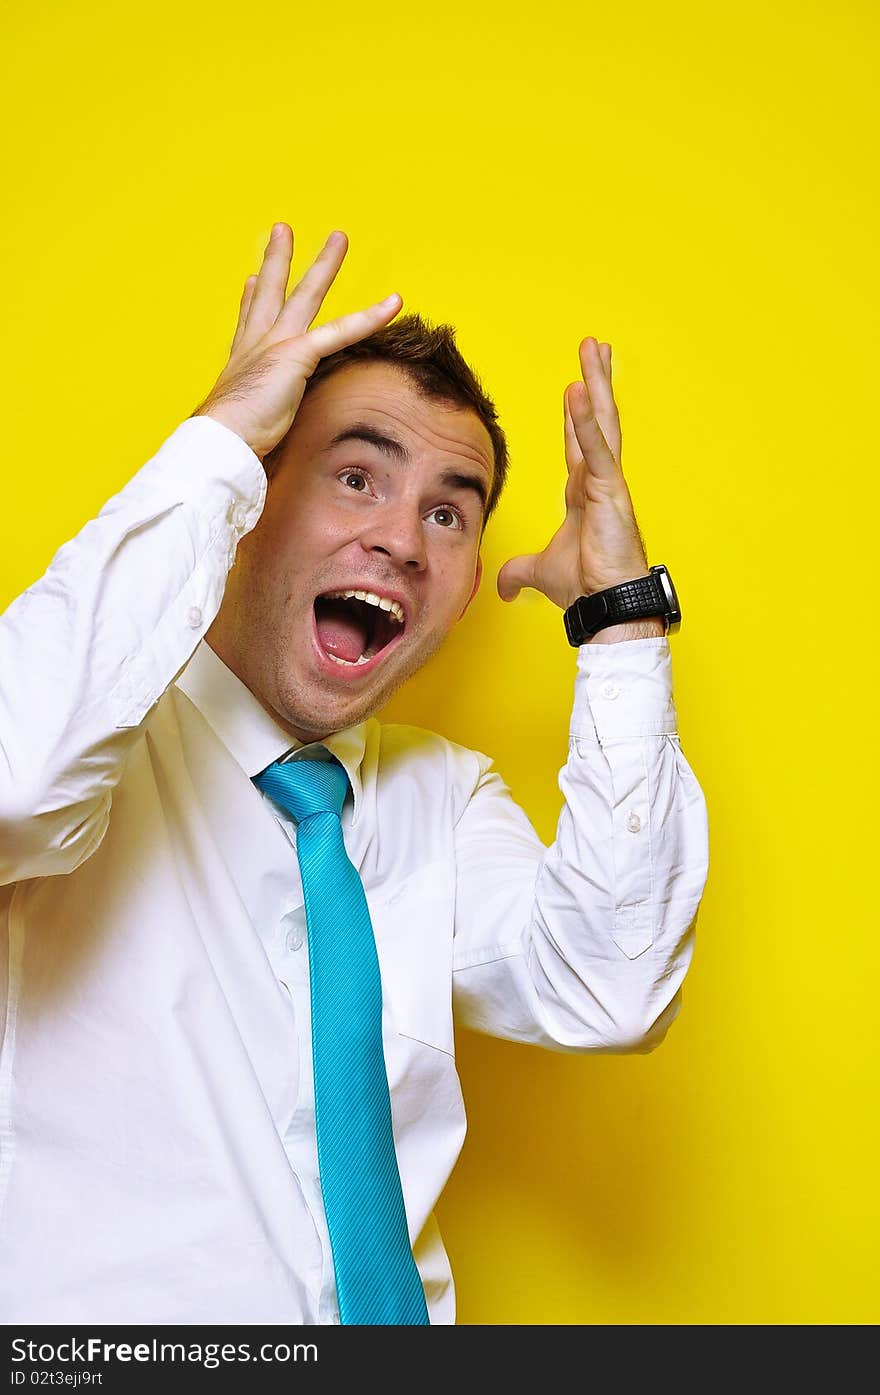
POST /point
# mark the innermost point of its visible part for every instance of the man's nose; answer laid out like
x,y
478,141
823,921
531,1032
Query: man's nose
x,y
397,530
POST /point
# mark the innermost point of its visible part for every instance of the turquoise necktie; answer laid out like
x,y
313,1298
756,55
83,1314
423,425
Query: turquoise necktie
x,y
376,1276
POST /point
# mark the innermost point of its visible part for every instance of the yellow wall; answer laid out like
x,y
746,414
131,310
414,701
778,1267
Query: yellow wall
x,y
699,188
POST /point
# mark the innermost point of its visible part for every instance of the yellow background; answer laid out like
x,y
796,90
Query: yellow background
x,y
699,188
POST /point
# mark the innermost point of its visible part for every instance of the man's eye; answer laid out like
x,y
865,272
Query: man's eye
x,y
353,475
450,513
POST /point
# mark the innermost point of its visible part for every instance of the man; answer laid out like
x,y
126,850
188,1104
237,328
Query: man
x,y
228,1080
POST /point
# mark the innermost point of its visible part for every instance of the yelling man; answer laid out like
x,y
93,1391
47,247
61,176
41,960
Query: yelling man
x,y
242,915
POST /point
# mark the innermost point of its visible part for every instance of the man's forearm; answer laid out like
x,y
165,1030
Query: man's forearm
x,y
633,629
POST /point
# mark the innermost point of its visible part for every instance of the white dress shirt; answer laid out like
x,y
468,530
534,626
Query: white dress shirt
x,y
157,1141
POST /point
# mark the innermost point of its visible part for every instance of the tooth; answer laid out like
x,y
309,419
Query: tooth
x,y
371,598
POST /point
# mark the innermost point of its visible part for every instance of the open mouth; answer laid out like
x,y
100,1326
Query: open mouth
x,y
355,631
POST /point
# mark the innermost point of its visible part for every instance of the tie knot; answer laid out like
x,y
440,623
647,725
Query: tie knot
x,y
305,787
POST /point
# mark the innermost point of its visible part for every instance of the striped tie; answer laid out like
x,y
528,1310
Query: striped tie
x,y
377,1281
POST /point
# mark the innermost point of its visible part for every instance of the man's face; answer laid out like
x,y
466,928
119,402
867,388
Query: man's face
x,y
401,522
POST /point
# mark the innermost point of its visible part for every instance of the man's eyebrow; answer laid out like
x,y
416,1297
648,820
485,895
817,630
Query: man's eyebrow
x,y
391,446
456,480
361,431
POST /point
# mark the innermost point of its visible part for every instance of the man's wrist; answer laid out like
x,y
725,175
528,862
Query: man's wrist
x,y
649,628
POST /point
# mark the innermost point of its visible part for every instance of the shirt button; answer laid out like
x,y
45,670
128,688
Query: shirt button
x,y
610,691
633,822
194,617
292,928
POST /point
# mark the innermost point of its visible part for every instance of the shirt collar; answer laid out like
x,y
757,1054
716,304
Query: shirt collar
x,y
251,735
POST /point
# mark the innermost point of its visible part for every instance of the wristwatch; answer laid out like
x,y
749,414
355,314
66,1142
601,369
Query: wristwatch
x,y
646,596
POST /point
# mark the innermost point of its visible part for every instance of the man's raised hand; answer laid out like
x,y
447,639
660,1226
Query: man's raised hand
x,y
598,543
274,352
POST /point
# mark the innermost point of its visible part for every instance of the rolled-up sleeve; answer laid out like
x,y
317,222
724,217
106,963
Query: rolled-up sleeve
x,y
583,945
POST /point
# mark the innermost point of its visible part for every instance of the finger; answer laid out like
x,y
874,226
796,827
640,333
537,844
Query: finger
x,y
307,296
588,432
515,574
573,453
247,296
576,483
594,376
348,329
271,283
600,393
605,351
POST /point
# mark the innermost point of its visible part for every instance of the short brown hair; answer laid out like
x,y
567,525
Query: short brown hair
x,y
429,355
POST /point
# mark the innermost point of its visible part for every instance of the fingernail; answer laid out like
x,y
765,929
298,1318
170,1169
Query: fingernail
x,y
278,229
390,299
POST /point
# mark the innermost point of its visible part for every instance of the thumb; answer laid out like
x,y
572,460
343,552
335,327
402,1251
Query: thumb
x,y
517,573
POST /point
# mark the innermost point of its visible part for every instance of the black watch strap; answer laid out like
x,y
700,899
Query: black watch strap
x,y
639,599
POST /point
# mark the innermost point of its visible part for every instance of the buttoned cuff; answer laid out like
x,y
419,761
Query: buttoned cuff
x,y
623,690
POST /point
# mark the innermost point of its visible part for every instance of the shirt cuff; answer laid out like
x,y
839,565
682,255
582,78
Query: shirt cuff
x,y
203,463
624,690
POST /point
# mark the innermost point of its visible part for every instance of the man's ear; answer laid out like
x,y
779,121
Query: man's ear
x,y
478,576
